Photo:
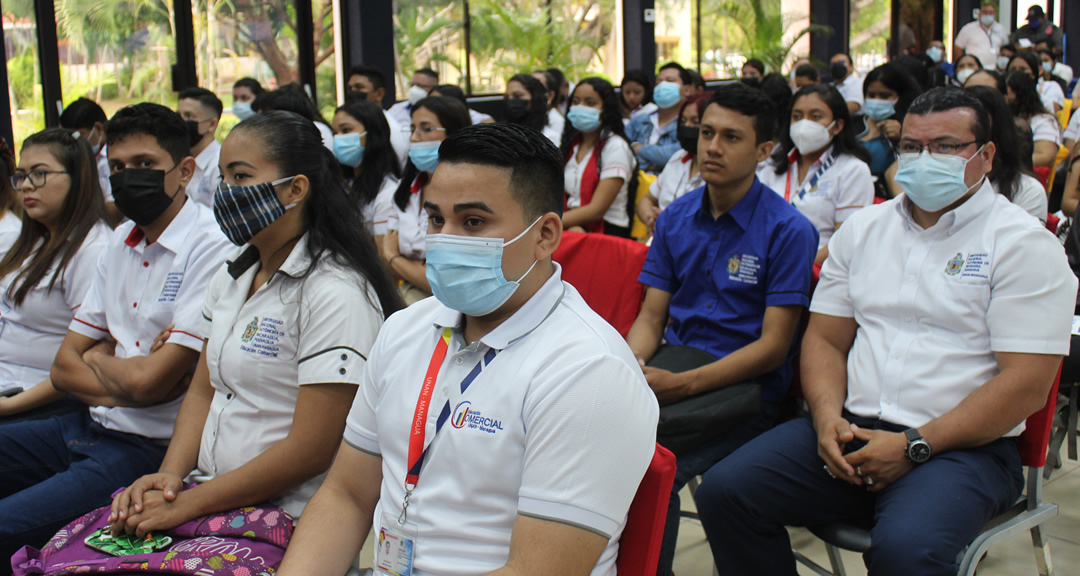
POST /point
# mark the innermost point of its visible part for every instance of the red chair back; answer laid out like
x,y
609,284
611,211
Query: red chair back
x,y
639,545
605,270
1052,223
1036,435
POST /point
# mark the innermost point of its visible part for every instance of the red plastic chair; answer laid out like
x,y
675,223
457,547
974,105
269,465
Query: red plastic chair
x,y
605,270
639,545
1052,223
1029,513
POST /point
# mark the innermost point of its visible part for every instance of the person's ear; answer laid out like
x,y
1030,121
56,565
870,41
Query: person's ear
x,y
377,96
764,150
187,170
551,229
838,128
297,191
988,153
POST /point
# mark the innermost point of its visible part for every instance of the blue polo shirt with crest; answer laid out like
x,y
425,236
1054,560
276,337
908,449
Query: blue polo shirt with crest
x,y
723,272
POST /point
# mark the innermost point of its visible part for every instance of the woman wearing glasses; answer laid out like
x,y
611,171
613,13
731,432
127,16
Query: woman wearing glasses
x,y
433,119
46,274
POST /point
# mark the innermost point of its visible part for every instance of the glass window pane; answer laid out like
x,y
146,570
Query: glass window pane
x,y
322,16
735,31
116,53
429,33
674,32
24,76
871,26
245,38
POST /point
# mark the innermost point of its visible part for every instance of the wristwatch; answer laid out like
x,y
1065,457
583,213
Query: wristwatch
x,y
918,449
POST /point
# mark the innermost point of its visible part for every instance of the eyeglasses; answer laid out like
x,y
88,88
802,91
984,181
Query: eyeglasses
x,y
37,177
427,129
943,148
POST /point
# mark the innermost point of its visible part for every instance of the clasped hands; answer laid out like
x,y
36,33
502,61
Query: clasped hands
x,y
878,464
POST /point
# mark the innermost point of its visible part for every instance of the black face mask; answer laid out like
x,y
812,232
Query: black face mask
x,y
517,110
838,71
751,81
140,194
193,132
688,137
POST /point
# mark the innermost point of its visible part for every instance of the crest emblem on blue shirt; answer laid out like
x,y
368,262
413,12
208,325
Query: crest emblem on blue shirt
x,y
955,265
250,331
734,263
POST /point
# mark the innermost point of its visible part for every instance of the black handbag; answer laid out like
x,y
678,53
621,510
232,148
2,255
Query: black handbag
x,y
693,421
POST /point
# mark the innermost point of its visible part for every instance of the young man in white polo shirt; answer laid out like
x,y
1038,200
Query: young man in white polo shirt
x,y
502,425
937,328
151,276
201,110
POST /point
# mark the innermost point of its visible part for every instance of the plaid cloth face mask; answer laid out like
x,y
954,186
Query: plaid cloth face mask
x,y
243,211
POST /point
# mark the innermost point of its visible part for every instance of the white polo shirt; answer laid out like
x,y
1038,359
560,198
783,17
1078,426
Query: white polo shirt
x,y
841,191
616,161
377,213
293,331
554,128
851,90
140,289
934,305
399,138
1072,131
401,112
1031,196
478,117
981,43
411,223
31,333
10,228
1050,93
103,173
207,175
675,180
1045,127
559,424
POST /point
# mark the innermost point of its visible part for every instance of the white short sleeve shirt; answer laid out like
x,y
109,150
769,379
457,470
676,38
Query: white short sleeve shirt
x,y
616,161
411,223
933,306
852,90
10,228
377,213
842,190
140,289
1031,196
558,424
103,174
1045,127
399,138
675,179
295,330
981,43
554,128
1072,131
31,333
207,175
1050,92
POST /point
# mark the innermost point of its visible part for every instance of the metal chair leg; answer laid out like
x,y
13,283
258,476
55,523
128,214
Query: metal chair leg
x,y
835,559
1042,552
1074,394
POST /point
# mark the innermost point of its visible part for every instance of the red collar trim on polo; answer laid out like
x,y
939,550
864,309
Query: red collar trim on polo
x,y
418,183
689,156
137,235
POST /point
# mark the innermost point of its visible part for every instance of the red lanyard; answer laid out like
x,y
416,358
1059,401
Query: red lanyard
x,y
787,189
423,403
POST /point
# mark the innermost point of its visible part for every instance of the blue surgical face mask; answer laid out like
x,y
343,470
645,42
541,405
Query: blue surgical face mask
x,y
934,53
348,150
425,155
987,20
879,110
465,272
1048,67
934,181
667,94
242,110
583,118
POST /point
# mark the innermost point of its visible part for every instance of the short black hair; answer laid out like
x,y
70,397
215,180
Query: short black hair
x,y
536,179
808,71
207,99
684,74
82,113
249,83
428,72
696,80
452,91
748,102
374,75
755,64
164,124
943,99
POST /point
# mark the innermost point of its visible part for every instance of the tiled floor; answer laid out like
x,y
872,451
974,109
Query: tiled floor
x,y
1013,557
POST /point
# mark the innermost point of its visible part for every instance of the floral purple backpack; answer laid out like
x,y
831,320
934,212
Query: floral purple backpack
x,y
244,542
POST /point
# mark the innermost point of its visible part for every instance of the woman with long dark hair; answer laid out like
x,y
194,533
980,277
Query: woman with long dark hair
x,y
362,146
47,272
635,94
1007,175
1050,92
820,166
600,172
403,247
1025,104
292,317
525,103
889,91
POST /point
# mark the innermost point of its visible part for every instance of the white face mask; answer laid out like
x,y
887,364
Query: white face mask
x,y
809,136
963,75
416,94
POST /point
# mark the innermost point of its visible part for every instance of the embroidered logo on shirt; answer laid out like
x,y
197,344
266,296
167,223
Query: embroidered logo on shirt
x,y
744,268
263,337
465,417
978,265
955,265
171,287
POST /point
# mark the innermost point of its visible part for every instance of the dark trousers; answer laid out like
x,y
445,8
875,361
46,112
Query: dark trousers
x,y
53,471
696,462
920,523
